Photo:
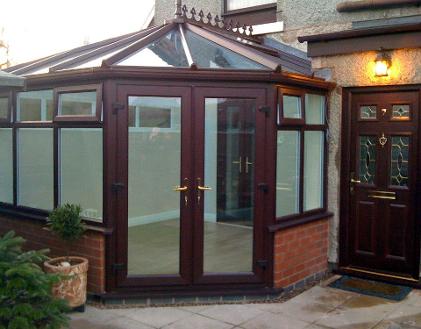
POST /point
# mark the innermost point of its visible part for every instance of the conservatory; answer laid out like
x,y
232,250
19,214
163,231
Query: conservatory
x,y
196,150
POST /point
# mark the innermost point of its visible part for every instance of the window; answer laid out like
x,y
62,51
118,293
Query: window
x,y
6,165
32,106
58,156
149,113
81,170
4,108
79,103
241,4
35,168
301,141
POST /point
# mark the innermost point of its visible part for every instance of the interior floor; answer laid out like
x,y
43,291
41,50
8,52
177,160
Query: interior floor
x,y
154,248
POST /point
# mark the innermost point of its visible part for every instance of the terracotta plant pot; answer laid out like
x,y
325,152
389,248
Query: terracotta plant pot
x,y
73,286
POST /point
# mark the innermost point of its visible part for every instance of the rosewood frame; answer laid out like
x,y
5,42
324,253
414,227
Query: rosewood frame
x,y
301,126
113,77
24,211
347,94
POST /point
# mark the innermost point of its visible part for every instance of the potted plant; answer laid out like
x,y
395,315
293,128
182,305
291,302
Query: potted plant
x,y
66,222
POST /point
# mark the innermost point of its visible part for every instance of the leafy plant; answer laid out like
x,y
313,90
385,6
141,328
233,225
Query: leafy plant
x,y
66,222
25,290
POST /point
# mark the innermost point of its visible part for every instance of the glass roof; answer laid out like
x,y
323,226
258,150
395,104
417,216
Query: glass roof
x,y
166,51
172,45
208,54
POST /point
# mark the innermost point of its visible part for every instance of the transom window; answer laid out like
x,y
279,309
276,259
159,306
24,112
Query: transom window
x,y
242,4
300,170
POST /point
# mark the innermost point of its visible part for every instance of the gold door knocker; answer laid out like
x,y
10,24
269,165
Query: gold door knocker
x,y
383,140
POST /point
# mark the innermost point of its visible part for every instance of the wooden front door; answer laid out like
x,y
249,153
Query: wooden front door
x,y
382,229
173,142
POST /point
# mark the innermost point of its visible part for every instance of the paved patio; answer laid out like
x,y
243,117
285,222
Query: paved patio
x,y
317,308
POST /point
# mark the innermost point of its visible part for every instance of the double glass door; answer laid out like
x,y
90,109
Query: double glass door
x,y
189,213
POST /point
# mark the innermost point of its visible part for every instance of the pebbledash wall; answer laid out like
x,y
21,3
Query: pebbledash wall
x,y
304,17
90,246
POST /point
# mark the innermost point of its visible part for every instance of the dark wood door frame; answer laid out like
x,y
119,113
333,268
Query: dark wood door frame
x,y
115,259
347,97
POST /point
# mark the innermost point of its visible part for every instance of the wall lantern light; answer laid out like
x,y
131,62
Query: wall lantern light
x,y
382,64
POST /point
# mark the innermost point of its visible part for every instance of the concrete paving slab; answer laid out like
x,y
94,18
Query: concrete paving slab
x,y
232,314
196,321
406,315
274,321
320,307
324,295
157,317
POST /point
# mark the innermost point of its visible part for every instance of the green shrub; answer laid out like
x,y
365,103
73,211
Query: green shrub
x,y
25,290
66,222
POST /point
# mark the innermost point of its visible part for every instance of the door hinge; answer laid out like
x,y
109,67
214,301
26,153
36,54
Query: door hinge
x,y
265,109
117,107
263,187
262,263
118,267
116,187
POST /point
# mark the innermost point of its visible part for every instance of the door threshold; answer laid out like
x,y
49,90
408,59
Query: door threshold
x,y
381,276
172,298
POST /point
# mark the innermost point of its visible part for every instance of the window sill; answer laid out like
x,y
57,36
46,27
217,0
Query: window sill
x,y
292,222
42,219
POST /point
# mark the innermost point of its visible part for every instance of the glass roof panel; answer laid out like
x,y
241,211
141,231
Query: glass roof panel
x,y
208,54
165,52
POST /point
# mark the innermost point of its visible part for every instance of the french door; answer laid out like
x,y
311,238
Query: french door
x,y
382,230
189,212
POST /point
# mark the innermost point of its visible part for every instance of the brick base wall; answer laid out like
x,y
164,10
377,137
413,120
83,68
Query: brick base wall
x,y
90,246
300,253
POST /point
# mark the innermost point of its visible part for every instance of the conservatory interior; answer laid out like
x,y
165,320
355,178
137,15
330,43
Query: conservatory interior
x,y
190,146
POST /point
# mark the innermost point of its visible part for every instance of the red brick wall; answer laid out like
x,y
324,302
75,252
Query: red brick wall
x,y
91,246
300,252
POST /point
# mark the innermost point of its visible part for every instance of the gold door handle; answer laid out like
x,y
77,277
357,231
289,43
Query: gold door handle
x,y
201,188
184,188
355,180
179,188
204,188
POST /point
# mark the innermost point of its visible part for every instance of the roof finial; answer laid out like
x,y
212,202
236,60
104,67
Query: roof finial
x,y
178,13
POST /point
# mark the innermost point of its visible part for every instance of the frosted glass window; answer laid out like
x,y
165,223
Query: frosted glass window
x,y
313,170
292,107
77,104
81,171
35,168
6,165
288,173
4,108
240,4
315,109
34,105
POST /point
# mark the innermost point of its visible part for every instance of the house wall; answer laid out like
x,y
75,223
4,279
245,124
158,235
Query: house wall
x,y
90,246
349,71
